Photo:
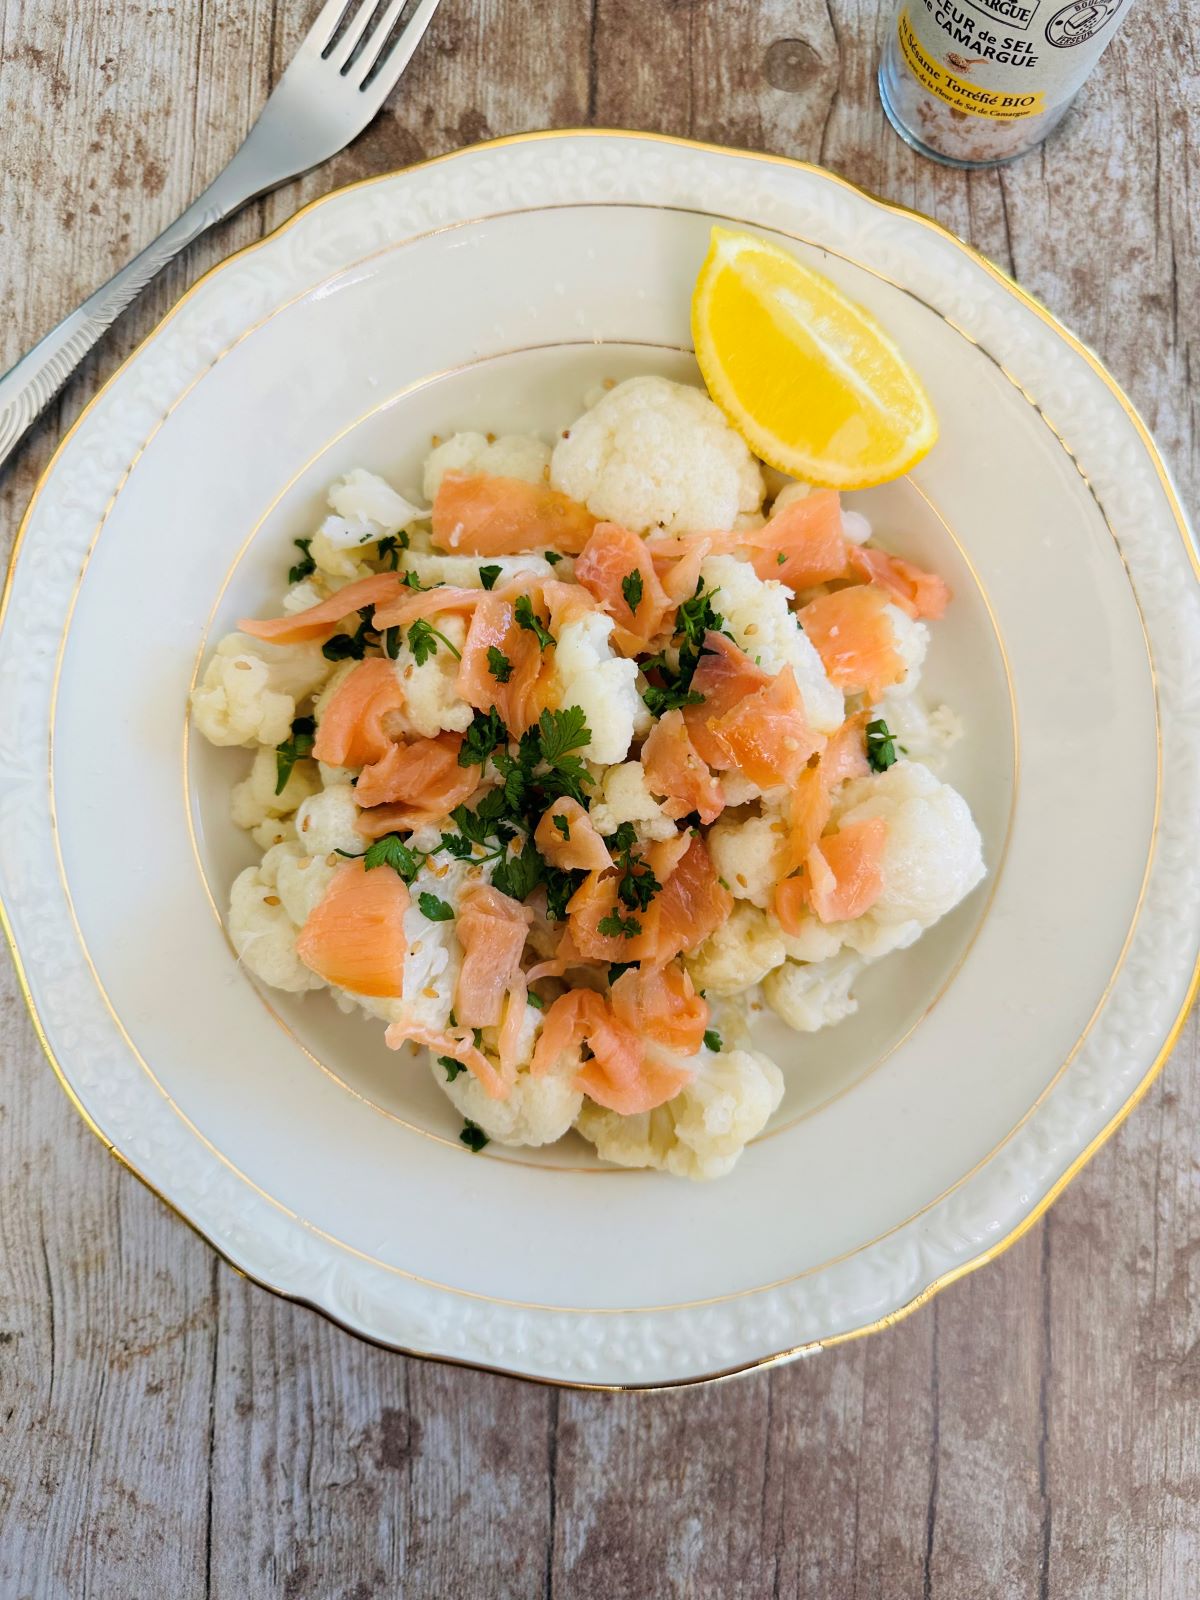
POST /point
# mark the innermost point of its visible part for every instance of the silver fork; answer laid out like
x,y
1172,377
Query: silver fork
x,y
345,68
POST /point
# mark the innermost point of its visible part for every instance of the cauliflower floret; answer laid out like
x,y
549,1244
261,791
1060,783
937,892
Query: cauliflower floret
x,y
515,455
249,690
262,933
366,509
601,684
652,453
932,859
273,830
816,941
738,954
746,856
301,882
432,703
912,642
704,1129
622,795
537,1110
756,614
308,592
366,495
326,822
337,545
254,799
813,995
925,733
463,571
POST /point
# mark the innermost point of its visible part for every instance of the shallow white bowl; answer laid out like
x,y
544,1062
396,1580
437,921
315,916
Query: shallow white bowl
x,y
491,289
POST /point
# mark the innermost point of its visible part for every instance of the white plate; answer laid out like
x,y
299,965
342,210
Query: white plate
x,y
490,289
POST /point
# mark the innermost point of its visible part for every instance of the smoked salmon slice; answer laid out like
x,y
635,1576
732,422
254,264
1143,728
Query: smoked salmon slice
x,y
767,734
619,1074
691,905
362,717
422,778
454,1042
725,676
354,935
491,928
567,839
802,546
503,665
915,591
842,877
845,870
480,515
410,604
616,569
674,769
661,1003
319,621
844,757
854,639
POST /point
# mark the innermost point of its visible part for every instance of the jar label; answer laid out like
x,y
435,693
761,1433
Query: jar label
x,y
1005,59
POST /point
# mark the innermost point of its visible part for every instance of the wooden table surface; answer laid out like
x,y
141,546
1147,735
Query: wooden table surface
x,y
169,1430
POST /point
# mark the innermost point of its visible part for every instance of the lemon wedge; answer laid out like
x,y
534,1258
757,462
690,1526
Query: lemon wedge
x,y
809,379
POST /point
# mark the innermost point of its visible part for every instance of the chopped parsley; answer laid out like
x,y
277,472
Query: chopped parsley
x,y
524,613
295,747
558,734
473,1136
352,646
631,588
433,908
881,747
483,736
563,826
693,620
637,884
519,875
553,556
391,851
615,926
499,665
658,700
345,646
453,1067
390,547
780,558
423,642
392,639
488,576
560,886
536,1001
306,566
712,1040
618,969
411,581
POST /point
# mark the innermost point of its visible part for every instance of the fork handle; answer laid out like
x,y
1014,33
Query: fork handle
x,y
28,387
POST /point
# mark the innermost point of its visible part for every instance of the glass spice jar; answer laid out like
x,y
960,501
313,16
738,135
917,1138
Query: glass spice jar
x,y
975,82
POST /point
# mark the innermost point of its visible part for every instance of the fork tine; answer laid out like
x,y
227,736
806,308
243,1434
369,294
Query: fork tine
x,y
406,42
378,41
328,19
356,30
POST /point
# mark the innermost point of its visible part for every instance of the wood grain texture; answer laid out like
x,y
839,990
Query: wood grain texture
x,y
167,1429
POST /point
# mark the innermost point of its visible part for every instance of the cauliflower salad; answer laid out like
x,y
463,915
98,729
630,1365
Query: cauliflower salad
x,y
564,771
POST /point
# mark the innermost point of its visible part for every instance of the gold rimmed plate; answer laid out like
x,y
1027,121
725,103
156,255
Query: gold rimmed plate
x,y
984,1063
